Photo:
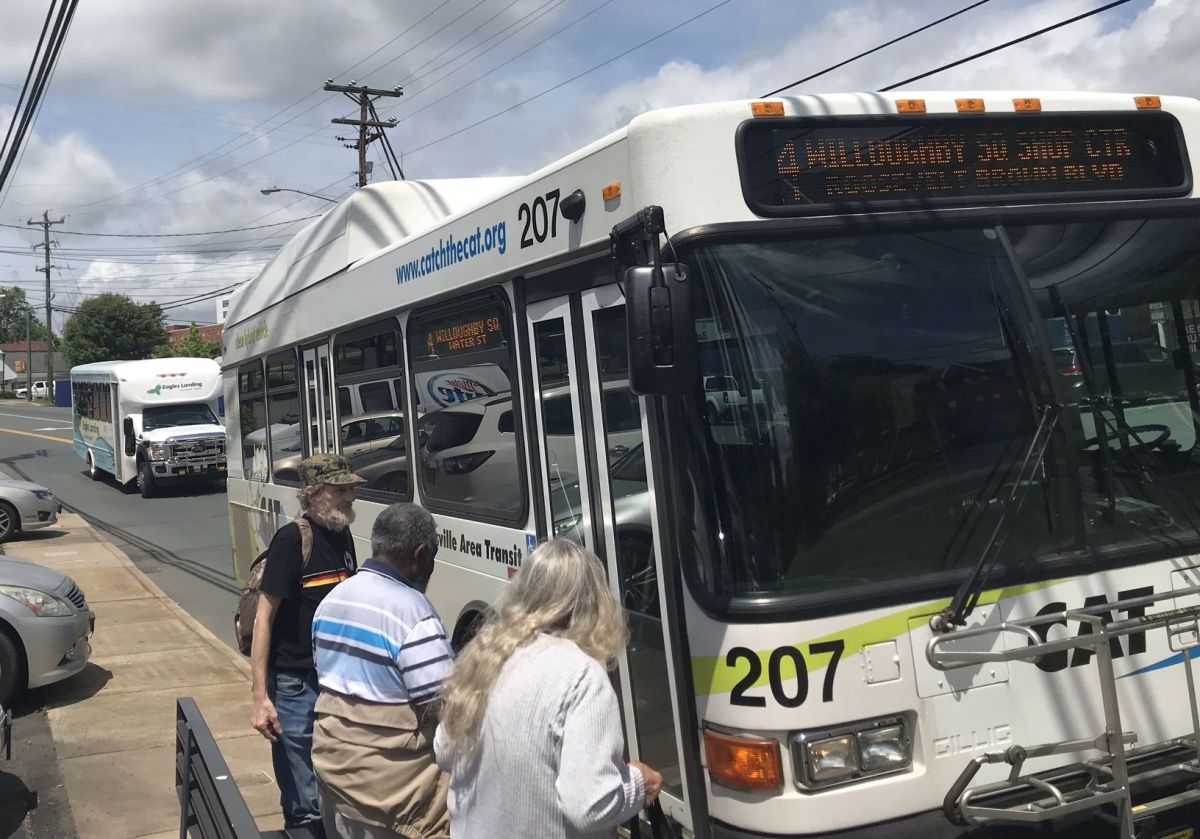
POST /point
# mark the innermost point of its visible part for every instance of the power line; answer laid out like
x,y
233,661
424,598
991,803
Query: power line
x,y
172,235
47,62
445,97
187,166
574,78
1005,45
884,45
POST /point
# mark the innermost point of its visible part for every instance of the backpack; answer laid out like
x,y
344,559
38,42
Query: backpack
x,y
247,608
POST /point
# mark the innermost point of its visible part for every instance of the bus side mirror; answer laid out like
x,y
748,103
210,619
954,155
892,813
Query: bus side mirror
x,y
130,441
661,332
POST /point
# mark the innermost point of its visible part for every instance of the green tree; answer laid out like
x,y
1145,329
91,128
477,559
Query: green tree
x,y
112,327
195,345
13,304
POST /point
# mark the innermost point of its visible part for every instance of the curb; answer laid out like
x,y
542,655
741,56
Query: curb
x,y
235,658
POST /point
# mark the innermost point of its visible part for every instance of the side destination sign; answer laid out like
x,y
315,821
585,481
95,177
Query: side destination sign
x,y
826,164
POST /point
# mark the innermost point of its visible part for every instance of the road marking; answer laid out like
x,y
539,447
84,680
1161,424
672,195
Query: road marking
x,y
54,428
60,553
43,417
39,436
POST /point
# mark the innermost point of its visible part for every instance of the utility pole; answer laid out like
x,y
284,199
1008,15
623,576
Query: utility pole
x,y
29,353
364,97
46,224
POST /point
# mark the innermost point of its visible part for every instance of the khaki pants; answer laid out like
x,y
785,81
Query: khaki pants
x,y
338,826
377,771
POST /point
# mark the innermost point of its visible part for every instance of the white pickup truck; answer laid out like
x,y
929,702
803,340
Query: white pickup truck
x,y
39,391
724,399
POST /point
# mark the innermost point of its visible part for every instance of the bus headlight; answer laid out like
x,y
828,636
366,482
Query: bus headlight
x,y
883,748
850,753
832,760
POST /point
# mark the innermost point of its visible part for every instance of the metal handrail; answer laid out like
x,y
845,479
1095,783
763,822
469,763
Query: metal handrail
x,y
1053,803
943,660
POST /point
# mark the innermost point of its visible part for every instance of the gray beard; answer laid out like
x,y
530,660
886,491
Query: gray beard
x,y
332,519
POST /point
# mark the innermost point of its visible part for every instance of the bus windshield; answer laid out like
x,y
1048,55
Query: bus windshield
x,y
170,416
865,403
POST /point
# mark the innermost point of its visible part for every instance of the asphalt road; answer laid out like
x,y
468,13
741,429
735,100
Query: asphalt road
x,y
181,539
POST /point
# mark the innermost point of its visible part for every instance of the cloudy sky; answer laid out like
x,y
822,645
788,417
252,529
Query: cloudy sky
x,y
169,117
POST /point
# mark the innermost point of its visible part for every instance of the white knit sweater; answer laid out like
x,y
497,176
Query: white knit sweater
x,y
549,764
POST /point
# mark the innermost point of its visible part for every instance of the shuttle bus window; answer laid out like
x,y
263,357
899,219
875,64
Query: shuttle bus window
x,y
372,431
252,416
286,424
463,368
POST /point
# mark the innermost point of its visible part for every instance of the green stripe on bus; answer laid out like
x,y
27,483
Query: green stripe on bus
x,y
711,675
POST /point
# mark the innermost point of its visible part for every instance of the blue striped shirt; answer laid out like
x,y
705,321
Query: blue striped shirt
x,y
376,637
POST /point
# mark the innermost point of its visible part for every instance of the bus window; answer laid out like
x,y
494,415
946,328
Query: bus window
x,y
372,432
462,358
1121,299
286,424
558,417
252,414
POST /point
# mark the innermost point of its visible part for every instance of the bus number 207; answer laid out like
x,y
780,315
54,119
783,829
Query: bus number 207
x,y
787,698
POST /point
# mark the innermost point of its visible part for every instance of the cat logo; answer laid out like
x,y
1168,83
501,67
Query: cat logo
x,y
1053,662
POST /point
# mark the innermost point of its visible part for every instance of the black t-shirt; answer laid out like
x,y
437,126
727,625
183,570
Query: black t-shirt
x,y
332,561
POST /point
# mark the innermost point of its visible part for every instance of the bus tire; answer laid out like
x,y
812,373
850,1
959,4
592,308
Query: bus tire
x,y
93,469
145,480
468,625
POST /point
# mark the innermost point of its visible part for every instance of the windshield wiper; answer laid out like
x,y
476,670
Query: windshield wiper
x,y
967,596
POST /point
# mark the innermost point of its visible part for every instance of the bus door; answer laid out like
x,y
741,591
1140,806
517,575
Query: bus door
x,y
318,400
596,492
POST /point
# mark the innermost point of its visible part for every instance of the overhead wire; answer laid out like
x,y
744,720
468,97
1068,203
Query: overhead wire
x,y
573,78
14,152
206,157
875,49
1005,45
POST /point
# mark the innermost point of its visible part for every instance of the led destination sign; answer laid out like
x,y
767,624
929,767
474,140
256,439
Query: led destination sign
x,y
805,165
478,331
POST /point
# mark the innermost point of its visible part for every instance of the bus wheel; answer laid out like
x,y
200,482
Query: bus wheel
x,y
145,480
93,469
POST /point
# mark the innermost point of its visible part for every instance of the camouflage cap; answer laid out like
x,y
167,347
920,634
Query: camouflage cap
x,y
328,468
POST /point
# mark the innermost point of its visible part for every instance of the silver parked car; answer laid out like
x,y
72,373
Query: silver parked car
x,y
45,626
25,505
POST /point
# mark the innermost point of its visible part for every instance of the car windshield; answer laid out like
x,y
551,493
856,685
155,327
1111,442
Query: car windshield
x,y
171,416
899,379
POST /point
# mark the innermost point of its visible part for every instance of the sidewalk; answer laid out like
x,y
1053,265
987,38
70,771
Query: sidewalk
x,y
113,724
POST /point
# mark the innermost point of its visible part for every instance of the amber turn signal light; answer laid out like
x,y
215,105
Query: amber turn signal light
x,y
611,191
1147,103
910,106
749,763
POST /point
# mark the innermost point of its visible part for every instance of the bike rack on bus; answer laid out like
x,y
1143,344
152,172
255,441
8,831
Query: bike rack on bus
x,y
1091,785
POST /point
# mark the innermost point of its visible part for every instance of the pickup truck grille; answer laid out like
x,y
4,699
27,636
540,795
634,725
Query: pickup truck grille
x,y
201,449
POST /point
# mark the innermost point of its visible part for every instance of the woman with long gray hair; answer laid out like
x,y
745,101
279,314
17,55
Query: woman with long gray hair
x,y
530,729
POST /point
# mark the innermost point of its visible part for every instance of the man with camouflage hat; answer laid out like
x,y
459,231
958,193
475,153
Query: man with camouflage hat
x,y
296,578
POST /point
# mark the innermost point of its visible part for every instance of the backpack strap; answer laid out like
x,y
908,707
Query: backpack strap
x,y
306,540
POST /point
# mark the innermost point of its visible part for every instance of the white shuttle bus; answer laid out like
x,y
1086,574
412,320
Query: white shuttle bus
x,y
881,411
153,421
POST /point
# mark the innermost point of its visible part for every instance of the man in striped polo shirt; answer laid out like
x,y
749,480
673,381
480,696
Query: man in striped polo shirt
x,y
381,655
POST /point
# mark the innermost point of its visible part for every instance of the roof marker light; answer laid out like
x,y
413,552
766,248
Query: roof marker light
x,y
969,106
910,106
1147,103
766,109
1027,104
612,191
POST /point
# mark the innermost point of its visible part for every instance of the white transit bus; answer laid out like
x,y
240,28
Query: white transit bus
x,y
153,421
880,409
